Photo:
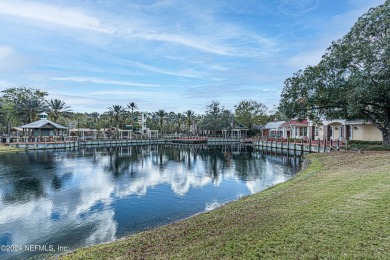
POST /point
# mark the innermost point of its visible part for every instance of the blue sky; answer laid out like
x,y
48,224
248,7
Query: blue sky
x,y
169,54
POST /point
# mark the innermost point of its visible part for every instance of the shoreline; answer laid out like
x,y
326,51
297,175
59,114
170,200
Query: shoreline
x,y
9,149
335,196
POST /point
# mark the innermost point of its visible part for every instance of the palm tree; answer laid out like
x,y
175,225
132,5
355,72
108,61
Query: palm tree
x,y
190,116
118,112
93,119
179,119
106,119
29,108
171,120
81,120
132,106
161,114
57,108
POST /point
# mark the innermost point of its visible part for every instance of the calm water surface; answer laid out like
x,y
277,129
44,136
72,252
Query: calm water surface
x,y
77,198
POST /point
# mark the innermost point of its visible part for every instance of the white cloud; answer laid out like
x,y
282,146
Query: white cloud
x,y
302,60
103,81
131,93
5,52
51,14
184,73
216,40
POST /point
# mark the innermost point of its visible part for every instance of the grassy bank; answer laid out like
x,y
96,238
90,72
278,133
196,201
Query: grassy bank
x,y
7,149
339,207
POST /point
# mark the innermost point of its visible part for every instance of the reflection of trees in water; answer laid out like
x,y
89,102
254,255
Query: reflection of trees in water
x,y
25,175
23,190
163,156
216,160
58,181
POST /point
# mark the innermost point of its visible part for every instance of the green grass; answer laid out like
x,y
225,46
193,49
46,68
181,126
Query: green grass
x,y
7,149
337,208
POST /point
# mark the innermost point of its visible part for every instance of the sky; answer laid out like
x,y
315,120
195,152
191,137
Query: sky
x,y
166,54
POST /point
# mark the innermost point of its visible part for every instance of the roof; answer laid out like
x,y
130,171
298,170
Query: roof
x,y
41,123
238,125
273,125
295,123
257,127
357,122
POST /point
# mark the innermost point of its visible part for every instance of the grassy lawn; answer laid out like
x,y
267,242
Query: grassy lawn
x,y
338,208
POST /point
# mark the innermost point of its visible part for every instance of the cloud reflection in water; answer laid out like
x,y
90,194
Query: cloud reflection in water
x,y
93,196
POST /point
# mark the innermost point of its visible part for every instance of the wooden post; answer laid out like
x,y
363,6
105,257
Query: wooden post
x,y
319,145
325,141
288,144
309,145
295,147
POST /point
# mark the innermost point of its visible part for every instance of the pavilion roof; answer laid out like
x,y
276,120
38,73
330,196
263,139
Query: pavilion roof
x,y
41,123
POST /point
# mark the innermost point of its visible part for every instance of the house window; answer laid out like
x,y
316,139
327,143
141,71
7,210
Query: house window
x,y
303,131
316,131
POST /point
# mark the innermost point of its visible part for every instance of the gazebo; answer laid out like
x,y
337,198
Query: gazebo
x,y
43,129
239,130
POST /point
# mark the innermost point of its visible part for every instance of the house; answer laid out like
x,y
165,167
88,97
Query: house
x,y
272,129
329,130
295,129
345,130
363,131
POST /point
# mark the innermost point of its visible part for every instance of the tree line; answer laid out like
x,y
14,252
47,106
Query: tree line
x,y
22,105
352,81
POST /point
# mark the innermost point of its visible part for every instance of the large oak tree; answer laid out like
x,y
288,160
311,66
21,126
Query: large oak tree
x,y
352,81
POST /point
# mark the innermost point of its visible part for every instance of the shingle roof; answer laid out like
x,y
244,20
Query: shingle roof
x,y
41,123
273,125
295,122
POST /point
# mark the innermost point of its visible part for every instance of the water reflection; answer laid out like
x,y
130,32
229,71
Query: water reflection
x,y
84,197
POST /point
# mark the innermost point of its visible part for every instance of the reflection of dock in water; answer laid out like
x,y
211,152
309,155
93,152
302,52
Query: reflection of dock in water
x,y
189,141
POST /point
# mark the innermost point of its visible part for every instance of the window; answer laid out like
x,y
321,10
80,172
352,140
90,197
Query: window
x,y
303,131
316,131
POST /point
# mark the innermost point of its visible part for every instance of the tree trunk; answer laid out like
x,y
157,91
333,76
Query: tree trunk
x,y
386,137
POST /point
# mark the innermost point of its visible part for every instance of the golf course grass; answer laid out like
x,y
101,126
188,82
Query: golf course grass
x,y
336,208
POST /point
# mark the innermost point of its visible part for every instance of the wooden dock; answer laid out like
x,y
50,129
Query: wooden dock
x,y
299,147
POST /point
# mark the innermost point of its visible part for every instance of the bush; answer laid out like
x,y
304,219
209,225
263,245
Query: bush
x,y
358,142
367,145
294,140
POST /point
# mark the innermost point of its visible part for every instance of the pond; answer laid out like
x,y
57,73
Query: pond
x,y
54,201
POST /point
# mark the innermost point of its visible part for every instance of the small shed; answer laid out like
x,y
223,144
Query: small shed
x,y
43,129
